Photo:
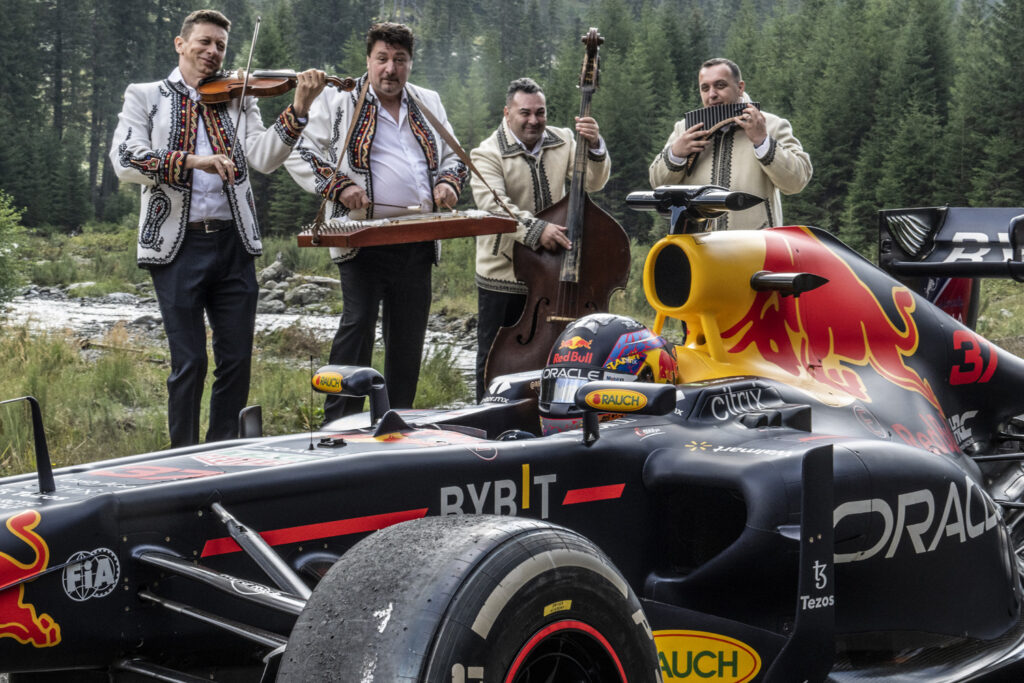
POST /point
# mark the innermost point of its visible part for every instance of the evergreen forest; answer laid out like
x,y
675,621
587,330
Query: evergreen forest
x,y
898,102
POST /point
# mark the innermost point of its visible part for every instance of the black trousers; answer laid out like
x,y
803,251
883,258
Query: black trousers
x,y
493,310
394,279
213,274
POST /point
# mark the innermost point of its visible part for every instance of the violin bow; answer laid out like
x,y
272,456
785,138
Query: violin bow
x,y
245,84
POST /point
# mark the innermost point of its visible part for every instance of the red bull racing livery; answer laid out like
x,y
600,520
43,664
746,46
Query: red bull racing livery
x,y
822,480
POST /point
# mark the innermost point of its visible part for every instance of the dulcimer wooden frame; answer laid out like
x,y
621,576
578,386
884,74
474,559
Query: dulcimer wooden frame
x,y
406,229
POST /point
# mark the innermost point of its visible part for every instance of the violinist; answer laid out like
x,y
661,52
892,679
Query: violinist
x,y
394,159
757,154
198,234
528,163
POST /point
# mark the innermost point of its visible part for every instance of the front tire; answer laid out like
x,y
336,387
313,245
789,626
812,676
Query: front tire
x,y
468,599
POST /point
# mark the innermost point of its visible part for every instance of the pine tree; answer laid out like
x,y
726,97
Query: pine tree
x,y
999,179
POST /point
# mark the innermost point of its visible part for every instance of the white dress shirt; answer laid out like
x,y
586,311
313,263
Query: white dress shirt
x,y
400,175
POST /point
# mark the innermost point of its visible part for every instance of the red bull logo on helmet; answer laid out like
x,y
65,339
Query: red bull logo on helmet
x,y
18,618
576,343
828,333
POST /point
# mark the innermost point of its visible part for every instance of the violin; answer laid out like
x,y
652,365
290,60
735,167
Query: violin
x,y
228,85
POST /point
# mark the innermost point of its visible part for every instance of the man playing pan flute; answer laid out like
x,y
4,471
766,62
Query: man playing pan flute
x,y
756,152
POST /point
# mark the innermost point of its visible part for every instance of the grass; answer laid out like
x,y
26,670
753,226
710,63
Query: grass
x,y
109,400
1002,309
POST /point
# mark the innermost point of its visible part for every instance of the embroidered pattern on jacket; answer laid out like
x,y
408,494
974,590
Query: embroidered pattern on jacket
x,y
362,138
288,127
769,156
158,208
424,136
252,210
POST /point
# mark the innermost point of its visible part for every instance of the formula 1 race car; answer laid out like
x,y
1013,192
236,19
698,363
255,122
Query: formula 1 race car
x,y
823,482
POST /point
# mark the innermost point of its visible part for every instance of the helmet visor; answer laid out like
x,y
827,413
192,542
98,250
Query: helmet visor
x,y
560,389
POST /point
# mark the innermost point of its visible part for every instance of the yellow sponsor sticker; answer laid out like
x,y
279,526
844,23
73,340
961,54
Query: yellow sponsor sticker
x,y
328,382
560,606
619,400
702,656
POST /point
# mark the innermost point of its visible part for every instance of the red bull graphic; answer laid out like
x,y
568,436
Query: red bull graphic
x,y
824,335
663,365
19,619
576,343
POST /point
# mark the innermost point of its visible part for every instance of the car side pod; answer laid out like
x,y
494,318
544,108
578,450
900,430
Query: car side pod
x,y
639,398
44,470
354,380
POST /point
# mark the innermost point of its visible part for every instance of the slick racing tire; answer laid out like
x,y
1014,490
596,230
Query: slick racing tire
x,y
471,599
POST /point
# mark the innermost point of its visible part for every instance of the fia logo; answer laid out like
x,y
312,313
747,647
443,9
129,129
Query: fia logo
x,y
91,574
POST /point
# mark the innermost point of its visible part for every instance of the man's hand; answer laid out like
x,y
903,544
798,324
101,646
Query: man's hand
x,y
354,197
753,124
444,196
309,84
588,128
553,236
693,141
212,163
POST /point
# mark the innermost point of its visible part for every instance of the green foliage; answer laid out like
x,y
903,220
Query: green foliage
x,y
103,253
441,383
453,281
11,236
94,406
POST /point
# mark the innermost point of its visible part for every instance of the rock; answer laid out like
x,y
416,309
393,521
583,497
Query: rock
x,y
276,272
120,298
304,295
148,321
271,295
323,281
74,286
270,306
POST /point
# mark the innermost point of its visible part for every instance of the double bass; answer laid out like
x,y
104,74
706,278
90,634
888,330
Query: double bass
x,y
567,284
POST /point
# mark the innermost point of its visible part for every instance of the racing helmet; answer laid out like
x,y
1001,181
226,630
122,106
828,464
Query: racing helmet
x,y
600,346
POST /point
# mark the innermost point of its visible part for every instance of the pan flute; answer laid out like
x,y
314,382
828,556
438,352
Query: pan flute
x,y
419,227
717,116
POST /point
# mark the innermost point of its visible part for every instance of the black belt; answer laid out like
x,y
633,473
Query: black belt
x,y
212,225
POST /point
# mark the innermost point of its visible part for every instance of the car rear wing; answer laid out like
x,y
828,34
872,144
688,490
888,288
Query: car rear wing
x,y
952,242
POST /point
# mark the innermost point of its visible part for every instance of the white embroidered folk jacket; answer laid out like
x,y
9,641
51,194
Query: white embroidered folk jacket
x,y
156,131
312,163
528,185
730,162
